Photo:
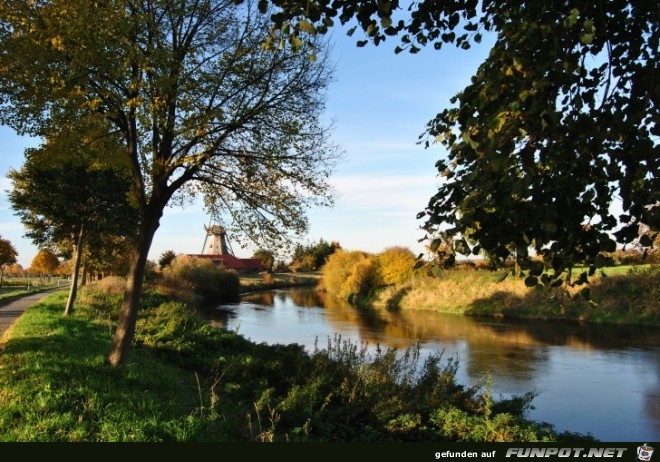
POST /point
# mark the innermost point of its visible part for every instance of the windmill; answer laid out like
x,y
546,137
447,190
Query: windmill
x,y
216,242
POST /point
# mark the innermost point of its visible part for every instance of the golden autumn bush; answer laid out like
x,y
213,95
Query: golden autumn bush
x,y
396,265
348,275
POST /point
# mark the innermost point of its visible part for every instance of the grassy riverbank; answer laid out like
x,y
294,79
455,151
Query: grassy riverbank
x,y
626,295
270,281
186,381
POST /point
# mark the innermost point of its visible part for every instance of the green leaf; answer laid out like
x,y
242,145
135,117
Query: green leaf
x,y
306,26
503,276
587,39
583,279
462,247
531,281
557,282
586,293
385,6
296,43
262,6
435,243
536,268
601,261
645,240
386,21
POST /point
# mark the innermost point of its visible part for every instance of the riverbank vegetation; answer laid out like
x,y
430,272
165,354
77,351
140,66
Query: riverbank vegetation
x,y
187,381
624,294
270,281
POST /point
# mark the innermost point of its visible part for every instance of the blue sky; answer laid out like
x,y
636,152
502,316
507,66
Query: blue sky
x,y
379,103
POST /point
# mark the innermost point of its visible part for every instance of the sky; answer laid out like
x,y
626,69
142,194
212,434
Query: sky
x,y
379,104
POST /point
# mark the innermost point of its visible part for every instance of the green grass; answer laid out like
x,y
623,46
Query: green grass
x,y
186,381
55,385
10,292
625,295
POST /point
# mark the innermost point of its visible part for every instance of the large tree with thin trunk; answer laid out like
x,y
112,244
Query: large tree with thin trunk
x,y
8,256
200,105
65,200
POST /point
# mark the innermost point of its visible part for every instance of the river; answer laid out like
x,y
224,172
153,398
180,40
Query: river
x,y
598,379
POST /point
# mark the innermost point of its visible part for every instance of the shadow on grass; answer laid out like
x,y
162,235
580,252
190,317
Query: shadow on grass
x,y
68,392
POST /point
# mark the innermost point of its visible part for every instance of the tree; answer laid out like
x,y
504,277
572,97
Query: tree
x,y
200,106
266,257
558,122
44,263
166,258
62,200
313,256
8,256
16,270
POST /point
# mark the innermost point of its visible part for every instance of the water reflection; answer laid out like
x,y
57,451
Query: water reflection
x,y
593,378
401,328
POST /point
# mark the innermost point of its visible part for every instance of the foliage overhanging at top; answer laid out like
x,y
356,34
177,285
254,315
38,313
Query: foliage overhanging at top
x,y
554,144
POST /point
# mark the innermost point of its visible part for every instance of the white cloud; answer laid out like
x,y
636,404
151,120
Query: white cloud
x,y
390,194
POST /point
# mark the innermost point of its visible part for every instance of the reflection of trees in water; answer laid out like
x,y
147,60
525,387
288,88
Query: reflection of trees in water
x,y
506,348
263,298
218,318
500,351
307,298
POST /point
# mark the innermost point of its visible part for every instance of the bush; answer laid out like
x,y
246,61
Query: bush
x,y
209,282
396,265
347,274
111,285
364,277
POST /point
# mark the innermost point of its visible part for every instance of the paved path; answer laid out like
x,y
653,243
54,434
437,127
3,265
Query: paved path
x,y
10,311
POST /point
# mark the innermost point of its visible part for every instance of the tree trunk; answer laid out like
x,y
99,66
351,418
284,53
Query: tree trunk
x,y
73,291
121,344
2,276
83,277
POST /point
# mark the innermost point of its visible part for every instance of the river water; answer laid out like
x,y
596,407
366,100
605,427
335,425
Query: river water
x,y
598,379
